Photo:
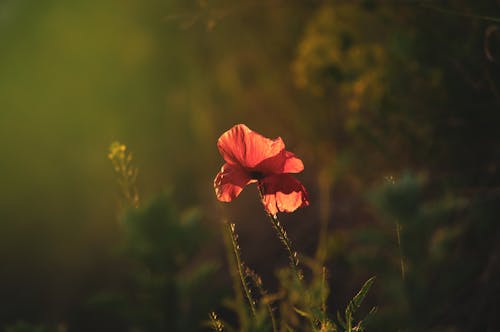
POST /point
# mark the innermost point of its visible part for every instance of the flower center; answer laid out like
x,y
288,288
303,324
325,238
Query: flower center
x,y
255,175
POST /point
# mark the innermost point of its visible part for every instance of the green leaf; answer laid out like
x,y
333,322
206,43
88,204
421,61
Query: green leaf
x,y
361,325
303,313
355,303
341,320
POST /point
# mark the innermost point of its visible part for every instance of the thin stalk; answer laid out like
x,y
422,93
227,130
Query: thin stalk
x,y
401,260
233,269
292,254
239,267
217,325
283,237
459,13
324,293
258,283
285,240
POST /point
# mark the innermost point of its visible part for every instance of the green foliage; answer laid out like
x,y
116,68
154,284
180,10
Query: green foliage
x,y
433,231
354,305
161,237
167,290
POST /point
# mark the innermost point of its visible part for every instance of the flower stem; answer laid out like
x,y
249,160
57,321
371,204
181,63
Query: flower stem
x,y
324,295
293,261
240,307
240,266
285,240
281,233
401,259
263,294
215,322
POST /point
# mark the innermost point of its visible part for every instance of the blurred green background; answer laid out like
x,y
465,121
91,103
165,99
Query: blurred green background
x,y
392,105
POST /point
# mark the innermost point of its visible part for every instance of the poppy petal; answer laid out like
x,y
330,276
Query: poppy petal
x,y
273,165
229,182
292,163
242,146
283,193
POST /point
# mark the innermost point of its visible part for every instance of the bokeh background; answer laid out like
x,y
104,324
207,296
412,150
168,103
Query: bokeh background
x,y
392,105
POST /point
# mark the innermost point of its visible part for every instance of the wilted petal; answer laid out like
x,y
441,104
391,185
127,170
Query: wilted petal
x,y
229,182
283,193
242,146
292,163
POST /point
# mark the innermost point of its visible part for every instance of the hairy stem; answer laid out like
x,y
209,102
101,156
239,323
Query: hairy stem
x,y
233,269
240,266
215,322
258,283
283,237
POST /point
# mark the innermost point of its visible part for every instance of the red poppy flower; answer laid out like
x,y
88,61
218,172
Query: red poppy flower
x,y
251,157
